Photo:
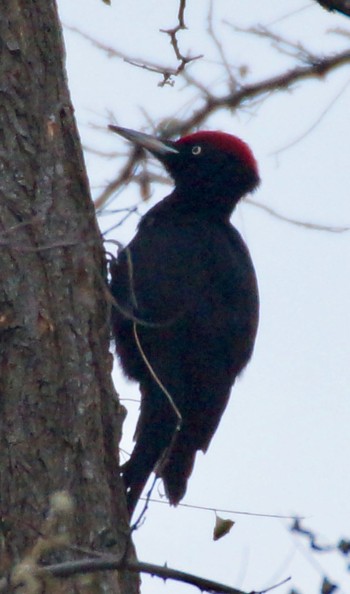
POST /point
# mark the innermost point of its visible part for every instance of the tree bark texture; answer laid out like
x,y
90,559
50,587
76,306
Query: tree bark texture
x,y
60,421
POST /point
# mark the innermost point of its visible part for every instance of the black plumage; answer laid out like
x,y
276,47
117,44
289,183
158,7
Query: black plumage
x,y
187,294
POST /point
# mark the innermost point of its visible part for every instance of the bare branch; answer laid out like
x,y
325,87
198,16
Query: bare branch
x,y
340,31
167,72
283,45
316,69
123,177
312,537
181,14
128,212
19,247
146,501
111,563
274,587
173,32
342,547
289,14
307,225
219,47
184,60
111,52
315,123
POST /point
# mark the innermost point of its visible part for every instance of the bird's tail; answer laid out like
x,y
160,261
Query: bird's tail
x,y
176,468
153,433
135,475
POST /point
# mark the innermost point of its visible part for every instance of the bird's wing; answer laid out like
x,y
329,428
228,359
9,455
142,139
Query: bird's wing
x,y
169,269
194,288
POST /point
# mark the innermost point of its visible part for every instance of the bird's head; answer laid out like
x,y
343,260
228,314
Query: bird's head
x,y
209,168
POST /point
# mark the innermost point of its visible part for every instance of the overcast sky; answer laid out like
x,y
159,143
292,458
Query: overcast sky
x,y
283,444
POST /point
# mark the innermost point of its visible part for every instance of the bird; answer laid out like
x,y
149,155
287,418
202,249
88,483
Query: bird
x,y
185,305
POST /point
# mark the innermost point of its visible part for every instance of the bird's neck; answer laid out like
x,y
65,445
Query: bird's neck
x,y
191,204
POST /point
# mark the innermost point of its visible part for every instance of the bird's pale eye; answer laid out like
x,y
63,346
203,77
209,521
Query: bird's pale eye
x,y
196,150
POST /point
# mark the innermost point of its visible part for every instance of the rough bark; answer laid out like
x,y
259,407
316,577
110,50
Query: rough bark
x,y
60,420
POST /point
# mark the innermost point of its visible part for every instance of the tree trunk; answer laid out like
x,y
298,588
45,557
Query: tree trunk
x,y
60,421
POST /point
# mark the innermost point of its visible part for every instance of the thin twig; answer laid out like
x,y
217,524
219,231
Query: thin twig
x,y
129,315
55,245
128,213
184,60
227,511
307,225
173,32
167,72
112,52
315,123
312,537
131,284
157,380
283,45
274,586
146,500
219,47
343,547
289,14
123,177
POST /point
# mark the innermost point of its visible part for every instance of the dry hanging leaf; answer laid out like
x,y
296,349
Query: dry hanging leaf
x,y
222,527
